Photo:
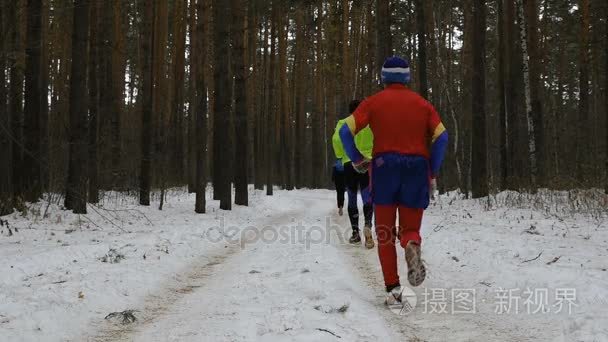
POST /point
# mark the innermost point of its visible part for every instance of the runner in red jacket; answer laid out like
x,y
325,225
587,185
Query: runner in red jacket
x,y
409,147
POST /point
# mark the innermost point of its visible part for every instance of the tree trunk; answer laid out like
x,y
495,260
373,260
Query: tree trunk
x,y
265,116
6,146
45,136
147,108
479,162
583,159
317,116
384,44
201,111
93,162
347,82
176,148
502,95
106,96
32,123
373,72
118,89
76,187
528,96
160,98
195,41
284,112
531,14
241,196
467,96
422,65
223,99
16,100
513,73
606,97
300,85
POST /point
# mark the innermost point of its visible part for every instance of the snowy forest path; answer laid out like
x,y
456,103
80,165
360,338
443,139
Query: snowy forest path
x,y
285,280
297,278
156,305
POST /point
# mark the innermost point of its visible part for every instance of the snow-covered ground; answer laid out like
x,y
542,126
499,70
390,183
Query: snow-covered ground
x,y
507,269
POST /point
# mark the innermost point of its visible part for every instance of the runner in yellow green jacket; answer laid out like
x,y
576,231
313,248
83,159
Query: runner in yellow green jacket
x,y
356,181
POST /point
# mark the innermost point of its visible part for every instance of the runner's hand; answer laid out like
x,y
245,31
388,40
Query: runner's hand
x,y
434,191
362,166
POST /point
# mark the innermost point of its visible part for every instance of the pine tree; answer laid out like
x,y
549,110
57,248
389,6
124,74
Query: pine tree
x,y
583,147
241,196
176,127
531,14
32,169
606,97
422,56
317,134
94,50
200,112
502,56
16,99
6,145
479,160
384,44
532,146
147,107
222,101
76,187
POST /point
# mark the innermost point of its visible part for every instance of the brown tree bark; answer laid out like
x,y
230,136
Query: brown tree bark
x,y
222,102
176,133
300,93
479,154
32,121
384,44
161,99
201,110
347,83
45,136
194,47
238,32
118,89
285,159
606,97
583,159
6,144
76,187
318,148
502,94
265,117
16,98
513,96
371,78
94,50
531,13
422,58
106,95
532,146
147,107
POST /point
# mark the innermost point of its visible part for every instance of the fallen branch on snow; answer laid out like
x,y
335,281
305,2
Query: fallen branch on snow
x,y
539,254
556,259
329,332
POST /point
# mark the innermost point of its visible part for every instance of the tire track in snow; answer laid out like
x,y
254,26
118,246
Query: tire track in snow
x,y
158,304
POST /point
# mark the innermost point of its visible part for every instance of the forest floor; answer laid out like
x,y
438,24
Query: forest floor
x,y
509,268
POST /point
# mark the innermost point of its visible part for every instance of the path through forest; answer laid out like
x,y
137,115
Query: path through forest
x,y
282,270
296,290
